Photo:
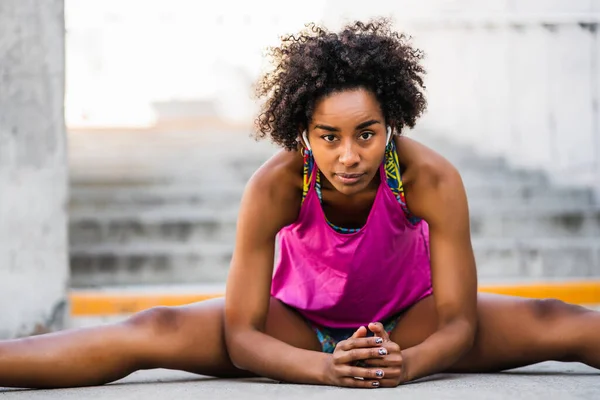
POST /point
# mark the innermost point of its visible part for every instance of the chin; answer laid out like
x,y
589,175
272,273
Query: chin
x,y
350,190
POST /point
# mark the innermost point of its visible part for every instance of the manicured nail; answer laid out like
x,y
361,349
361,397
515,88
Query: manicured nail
x,y
376,384
382,351
378,340
379,373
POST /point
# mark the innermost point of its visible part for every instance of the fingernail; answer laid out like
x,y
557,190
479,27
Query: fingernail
x,y
378,340
382,351
375,383
379,373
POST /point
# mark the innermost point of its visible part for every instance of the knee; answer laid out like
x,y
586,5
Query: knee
x,y
548,309
156,321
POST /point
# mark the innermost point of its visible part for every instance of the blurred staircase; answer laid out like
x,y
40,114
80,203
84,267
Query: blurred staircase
x,y
523,226
161,208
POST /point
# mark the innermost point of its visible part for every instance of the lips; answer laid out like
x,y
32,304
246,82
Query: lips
x,y
348,178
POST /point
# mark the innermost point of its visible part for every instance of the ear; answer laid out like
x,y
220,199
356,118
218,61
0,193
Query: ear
x,y
305,138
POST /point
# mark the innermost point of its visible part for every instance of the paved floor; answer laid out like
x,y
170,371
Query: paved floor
x,y
541,381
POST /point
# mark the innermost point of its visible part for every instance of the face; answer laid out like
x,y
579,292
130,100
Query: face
x,y
347,135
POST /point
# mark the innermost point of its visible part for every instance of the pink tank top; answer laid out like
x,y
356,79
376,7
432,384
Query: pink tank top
x,y
345,280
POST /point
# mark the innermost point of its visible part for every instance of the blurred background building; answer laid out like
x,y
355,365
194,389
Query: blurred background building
x,y
159,111
159,115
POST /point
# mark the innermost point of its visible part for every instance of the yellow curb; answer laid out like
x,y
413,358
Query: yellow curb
x,y
97,304
570,292
90,304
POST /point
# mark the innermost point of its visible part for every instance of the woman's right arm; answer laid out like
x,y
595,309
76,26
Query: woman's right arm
x,y
271,201
265,208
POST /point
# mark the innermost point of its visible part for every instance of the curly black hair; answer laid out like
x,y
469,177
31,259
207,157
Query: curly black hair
x,y
316,62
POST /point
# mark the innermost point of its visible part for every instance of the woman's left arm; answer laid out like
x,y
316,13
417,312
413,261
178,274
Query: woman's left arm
x,y
438,196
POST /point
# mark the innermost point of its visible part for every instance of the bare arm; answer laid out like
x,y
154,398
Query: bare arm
x,y
437,195
270,202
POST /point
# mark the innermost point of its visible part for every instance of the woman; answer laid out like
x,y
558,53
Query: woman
x,y
375,282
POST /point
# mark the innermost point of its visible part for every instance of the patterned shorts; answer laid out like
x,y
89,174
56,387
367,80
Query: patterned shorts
x,y
330,337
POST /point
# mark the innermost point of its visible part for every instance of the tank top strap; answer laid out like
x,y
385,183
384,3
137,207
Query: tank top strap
x,y
308,173
393,178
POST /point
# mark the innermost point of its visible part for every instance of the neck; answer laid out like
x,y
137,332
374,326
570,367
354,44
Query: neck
x,y
327,186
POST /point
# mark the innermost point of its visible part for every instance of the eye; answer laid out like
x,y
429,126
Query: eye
x,y
328,138
366,135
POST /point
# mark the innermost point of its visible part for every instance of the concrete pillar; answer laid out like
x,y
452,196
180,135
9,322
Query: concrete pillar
x,y
33,168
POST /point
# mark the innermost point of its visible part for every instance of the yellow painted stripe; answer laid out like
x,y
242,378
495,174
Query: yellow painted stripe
x,y
96,304
89,304
571,292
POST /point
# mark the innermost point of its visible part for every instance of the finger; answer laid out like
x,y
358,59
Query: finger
x,y
375,362
387,372
362,373
359,383
391,347
378,329
360,332
358,354
360,342
392,360
390,382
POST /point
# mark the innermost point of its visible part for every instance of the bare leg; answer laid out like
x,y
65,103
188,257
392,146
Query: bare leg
x,y
188,338
514,332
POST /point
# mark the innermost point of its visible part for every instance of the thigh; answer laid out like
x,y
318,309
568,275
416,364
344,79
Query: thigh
x,y
514,332
511,332
191,337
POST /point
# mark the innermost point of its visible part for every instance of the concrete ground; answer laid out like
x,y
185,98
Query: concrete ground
x,y
541,381
550,380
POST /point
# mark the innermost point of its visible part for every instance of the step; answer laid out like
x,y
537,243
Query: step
x,y
152,226
215,165
213,198
185,224
186,156
472,177
149,264
204,193
507,259
526,221
92,198
527,195
537,257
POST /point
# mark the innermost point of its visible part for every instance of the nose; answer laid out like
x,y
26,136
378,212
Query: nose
x,y
349,156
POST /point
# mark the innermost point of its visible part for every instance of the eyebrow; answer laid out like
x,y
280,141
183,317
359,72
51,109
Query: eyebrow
x,y
362,125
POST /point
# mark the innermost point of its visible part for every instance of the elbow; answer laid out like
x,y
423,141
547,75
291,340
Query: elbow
x,y
232,342
237,341
464,331
468,331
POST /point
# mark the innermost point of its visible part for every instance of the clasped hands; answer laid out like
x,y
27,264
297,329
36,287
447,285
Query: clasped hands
x,y
367,362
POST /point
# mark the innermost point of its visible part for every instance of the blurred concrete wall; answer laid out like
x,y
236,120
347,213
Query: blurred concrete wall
x,y
513,78
33,168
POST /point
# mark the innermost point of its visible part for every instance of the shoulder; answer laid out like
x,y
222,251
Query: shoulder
x,y
275,188
431,183
423,166
280,175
